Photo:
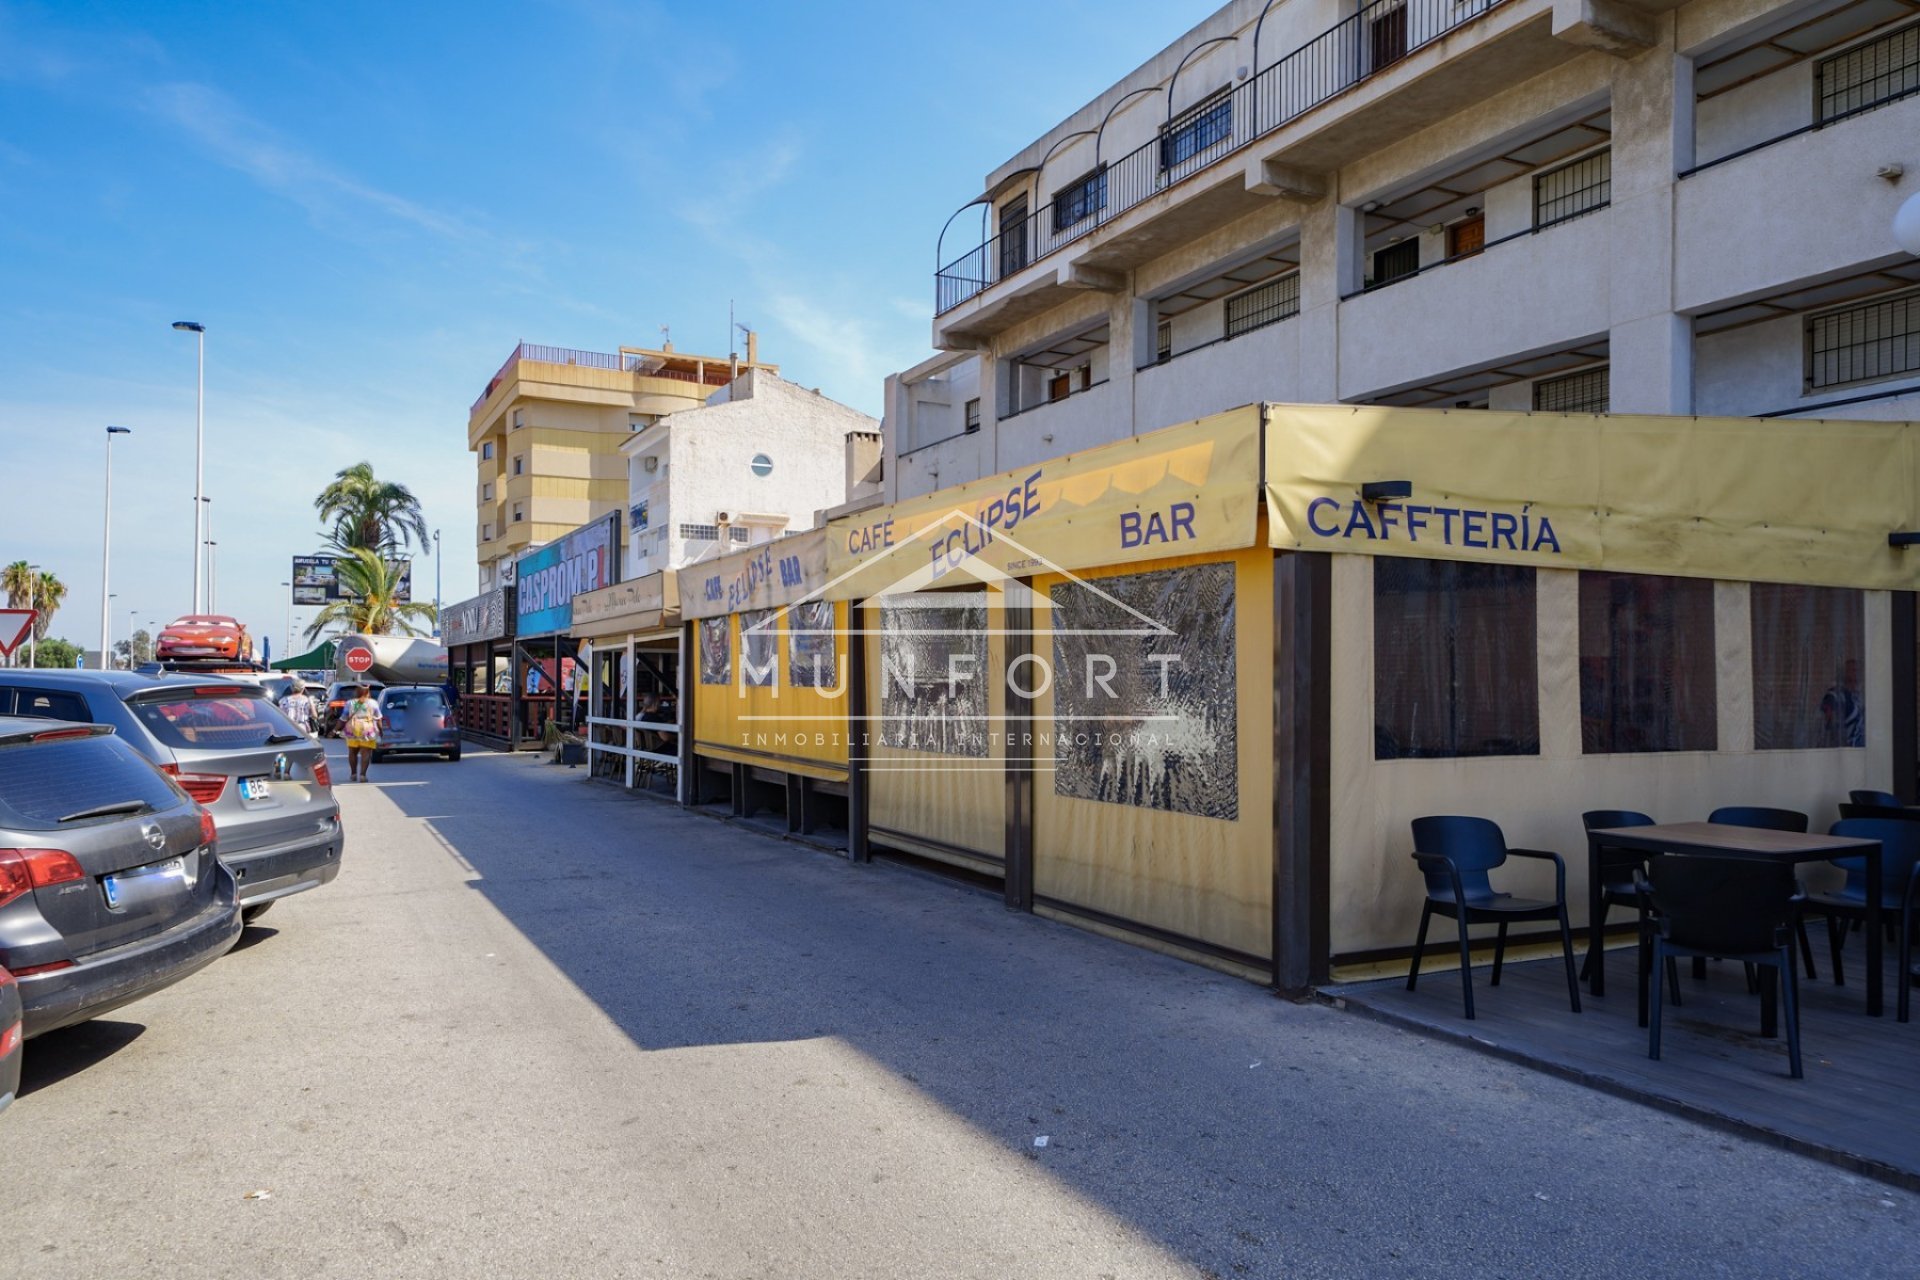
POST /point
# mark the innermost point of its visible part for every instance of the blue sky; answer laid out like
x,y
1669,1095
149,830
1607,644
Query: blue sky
x,y
368,204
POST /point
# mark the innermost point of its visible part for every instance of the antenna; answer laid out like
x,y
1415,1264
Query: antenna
x,y
666,337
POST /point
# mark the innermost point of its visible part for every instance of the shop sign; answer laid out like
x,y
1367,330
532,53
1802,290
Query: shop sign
x,y
635,605
548,578
1735,499
768,576
1185,490
475,621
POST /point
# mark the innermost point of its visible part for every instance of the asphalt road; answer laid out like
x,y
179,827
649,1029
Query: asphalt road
x,y
540,1028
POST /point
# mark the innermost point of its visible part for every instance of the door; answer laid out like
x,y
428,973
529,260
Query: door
x,y
1387,37
1013,236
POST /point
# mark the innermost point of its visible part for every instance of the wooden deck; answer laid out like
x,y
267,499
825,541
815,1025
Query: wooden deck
x,y
1858,1106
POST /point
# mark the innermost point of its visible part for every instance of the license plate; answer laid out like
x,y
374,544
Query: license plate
x,y
117,886
253,788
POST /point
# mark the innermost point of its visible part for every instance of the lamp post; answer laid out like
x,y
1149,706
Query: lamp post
x,y
206,553
436,584
213,564
33,628
106,551
199,331
289,587
131,614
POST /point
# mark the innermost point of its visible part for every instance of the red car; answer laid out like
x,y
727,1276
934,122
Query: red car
x,y
203,635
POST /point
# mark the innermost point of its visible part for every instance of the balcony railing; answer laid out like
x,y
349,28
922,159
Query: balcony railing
x,y
716,376
1345,55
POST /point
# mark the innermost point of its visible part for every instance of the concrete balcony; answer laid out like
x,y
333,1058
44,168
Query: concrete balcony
x,y
1732,244
1263,364
1279,135
1553,292
1080,421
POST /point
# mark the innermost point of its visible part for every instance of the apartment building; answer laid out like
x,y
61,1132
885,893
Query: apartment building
x,y
761,459
1631,206
547,430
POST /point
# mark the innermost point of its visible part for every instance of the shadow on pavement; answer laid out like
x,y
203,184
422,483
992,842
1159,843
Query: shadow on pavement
x,y
53,1057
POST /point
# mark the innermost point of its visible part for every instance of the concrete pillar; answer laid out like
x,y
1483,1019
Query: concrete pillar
x,y
1650,348
1130,328
1330,243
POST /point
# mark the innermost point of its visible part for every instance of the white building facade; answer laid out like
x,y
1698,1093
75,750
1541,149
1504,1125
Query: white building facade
x,y
1585,205
762,459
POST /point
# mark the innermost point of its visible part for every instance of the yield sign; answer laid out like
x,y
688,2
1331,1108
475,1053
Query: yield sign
x,y
14,626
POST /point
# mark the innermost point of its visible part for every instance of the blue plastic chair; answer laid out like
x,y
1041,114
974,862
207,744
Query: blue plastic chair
x,y
1880,799
1732,908
1899,881
1767,820
1455,854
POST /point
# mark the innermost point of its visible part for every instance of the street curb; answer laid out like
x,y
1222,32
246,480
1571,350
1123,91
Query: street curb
x,y
1865,1166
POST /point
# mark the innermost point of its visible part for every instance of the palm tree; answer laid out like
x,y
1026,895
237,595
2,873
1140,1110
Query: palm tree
x,y
18,582
366,511
373,608
46,596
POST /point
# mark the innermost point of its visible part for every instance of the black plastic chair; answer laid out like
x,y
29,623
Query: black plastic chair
x,y
1455,854
1767,820
1735,908
1898,813
1881,799
1899,881
1617,888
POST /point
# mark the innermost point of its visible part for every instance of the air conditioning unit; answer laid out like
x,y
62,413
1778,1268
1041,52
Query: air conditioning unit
x,y
723,517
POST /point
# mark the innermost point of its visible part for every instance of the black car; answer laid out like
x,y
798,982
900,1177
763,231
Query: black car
x,y
109,884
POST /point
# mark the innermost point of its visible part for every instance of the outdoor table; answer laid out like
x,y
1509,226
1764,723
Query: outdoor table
x,y
1720,840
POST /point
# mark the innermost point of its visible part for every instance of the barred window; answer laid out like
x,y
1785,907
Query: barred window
x,y
700,532
1264,304
1573,189
1582,392
1864,342
973,416
1080,199
1869,75
1163,341
1205,126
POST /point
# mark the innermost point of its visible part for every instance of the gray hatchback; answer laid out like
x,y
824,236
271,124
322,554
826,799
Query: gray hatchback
x,y
110,887
265,782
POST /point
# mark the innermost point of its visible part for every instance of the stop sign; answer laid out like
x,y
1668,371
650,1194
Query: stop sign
x,y
358,660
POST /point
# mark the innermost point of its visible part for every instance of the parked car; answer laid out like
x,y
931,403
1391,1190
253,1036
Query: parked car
x,y
12,1036
265,782
415,718
339,693
202,635
110,887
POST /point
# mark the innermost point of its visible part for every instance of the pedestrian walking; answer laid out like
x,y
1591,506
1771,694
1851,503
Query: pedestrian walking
x,y
361,721
296,706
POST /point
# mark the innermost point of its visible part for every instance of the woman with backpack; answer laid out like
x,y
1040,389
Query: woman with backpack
x,y
360,726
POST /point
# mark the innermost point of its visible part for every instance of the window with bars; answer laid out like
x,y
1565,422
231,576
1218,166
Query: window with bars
x,y
1263,305
1163,342
1868,75
972,416
1080,199
1573,189
1864,343
700,532
1582,392
1205,126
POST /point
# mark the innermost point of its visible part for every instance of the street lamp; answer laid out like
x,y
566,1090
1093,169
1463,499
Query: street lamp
x,y
213,564
106,549
33,628
199,442
131,614
206,558
289,587
436,584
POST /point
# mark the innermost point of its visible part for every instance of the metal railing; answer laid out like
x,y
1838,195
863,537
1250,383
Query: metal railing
x,y
1357,48
625,362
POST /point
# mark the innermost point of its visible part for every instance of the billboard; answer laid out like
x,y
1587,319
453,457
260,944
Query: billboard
x,y
548,578
315,582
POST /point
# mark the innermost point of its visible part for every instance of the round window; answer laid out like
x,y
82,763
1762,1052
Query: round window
x,y
762,464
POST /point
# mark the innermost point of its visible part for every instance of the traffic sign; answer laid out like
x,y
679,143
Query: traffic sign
x,y
358,660
15,626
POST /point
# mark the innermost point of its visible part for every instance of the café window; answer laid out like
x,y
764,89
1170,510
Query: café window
x,y
1454,663
1809,667
759,648
1646,664
716,655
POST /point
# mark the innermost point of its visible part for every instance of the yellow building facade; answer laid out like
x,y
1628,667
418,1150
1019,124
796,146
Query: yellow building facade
x,y
547,430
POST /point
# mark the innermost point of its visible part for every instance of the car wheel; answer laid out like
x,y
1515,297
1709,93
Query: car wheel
x,y
453,756
249,914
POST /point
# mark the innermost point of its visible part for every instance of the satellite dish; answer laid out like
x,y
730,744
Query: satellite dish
x,y
1906,225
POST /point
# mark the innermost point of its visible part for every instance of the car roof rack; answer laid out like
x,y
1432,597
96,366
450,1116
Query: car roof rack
x,y
204,666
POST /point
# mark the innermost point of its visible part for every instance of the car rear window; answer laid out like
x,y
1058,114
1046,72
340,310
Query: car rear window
x,y
42,782
201,721
50,704
415,700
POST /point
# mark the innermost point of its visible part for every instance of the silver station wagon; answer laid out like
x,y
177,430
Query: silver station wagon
x,y
225,743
